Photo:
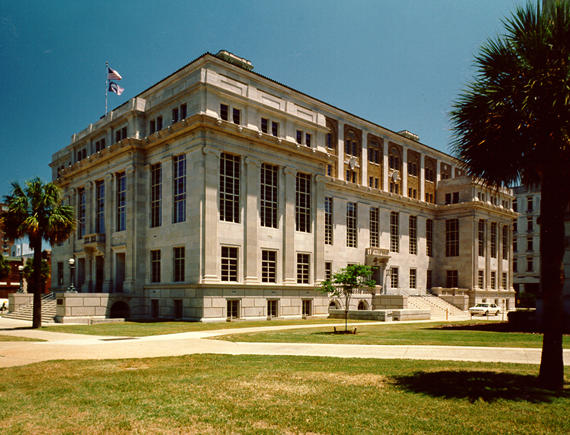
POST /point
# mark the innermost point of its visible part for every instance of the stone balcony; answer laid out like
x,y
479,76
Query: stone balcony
x,y
94,243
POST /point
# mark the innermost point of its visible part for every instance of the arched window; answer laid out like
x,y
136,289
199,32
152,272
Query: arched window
x,y
362,305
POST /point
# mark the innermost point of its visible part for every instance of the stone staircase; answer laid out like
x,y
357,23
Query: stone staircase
x,y
25,312
437,306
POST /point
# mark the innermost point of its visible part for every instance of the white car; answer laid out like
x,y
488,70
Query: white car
x,y
485,309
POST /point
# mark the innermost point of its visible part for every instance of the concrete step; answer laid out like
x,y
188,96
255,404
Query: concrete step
x,y
436,305
49,308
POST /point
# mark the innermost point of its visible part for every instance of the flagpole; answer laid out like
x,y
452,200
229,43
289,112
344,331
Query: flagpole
x,y
106,84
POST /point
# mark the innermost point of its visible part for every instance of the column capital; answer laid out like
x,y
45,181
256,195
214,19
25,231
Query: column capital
x,y
289,171
253,161
209,150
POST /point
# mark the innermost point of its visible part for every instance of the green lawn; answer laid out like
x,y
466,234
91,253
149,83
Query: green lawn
x,y
468,333
144,329
14,338
220,394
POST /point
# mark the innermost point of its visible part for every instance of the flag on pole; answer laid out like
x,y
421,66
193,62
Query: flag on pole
x,y
113,75
113,87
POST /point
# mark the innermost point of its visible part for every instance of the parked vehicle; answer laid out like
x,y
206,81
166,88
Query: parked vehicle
x,y
485,309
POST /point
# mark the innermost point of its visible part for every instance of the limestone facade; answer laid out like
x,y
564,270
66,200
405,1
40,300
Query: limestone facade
x,y
220,193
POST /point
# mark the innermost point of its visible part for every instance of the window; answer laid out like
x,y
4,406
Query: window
x,y
269,186
529,264
452,237
515,245
374,227
330,170
299,137
236,116
302,268
493,280
82,220
179,264
121,134
515,226
413,193
224,112
394,232
529,244
183,111
155,125
81,154
413,278
452,279
351,176
178,308
530,204
229,188
233,309
179,188
307,139
307,311
480,279
429,282
274,128
351,145
351,232
481,237
515,205
328,270
504,281
175,113
264,125
493,240
529,224
155,266
155,195
154,308
429,238
272,308
413,234
328,221
394,159
100,207
121,201
515,264
394,281
268,266
303,203
229,263
100,145
374,153
60,273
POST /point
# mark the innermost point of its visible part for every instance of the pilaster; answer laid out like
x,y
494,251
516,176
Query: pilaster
x,y
289,258
251,224
211,215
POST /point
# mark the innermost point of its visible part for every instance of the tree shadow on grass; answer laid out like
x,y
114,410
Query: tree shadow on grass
x,y
479,385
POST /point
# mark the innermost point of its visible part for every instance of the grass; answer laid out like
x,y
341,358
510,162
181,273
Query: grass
x,y
144,329
221,394
468,333
14,338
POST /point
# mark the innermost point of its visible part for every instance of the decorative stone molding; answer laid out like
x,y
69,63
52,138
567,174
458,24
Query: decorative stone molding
x,y
252,161
209,150
290,171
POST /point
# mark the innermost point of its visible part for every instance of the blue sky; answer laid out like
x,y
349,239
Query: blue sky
x,y
399,63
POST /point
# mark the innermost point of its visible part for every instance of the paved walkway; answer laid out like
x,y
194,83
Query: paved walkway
x,y
74,346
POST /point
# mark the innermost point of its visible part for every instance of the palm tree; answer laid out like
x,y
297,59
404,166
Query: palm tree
x,y
35,211
512,124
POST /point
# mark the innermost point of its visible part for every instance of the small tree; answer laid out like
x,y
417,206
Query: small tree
x,y
5,268
345,281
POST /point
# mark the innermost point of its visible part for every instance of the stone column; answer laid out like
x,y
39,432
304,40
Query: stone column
x,y
364,159
109,227
319,239
251,224
487,282
422,178
385,167
404,172
289,258
341,155
89,285
131,259
211,215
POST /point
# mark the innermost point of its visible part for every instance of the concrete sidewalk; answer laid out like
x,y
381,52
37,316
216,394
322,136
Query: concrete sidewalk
x,y
61,346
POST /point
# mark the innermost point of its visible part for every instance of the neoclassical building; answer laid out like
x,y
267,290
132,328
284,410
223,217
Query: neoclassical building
x,y
220,193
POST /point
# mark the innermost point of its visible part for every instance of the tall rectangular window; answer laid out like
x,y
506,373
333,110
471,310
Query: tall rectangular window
x,y
515,264
121,201
328,221
179,264
236,116
413,278
229,263
268,266
100,207
269,189
302,268
156,195
394,278
505,242
351,231
480,279
229,188
529,224
81,214
155,266
179,197
224,112
493,280
272,308
413,234
481,238
530,204
328,270
493,240
452,238
429,282
394,231
264,125
429,238
374,227
303,203
504,281
529,264
452,280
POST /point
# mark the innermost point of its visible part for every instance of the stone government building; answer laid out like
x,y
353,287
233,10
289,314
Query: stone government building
x,y
220,193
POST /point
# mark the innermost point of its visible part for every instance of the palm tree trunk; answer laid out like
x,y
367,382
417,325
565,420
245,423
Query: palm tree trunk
x,y
37,282
553,204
